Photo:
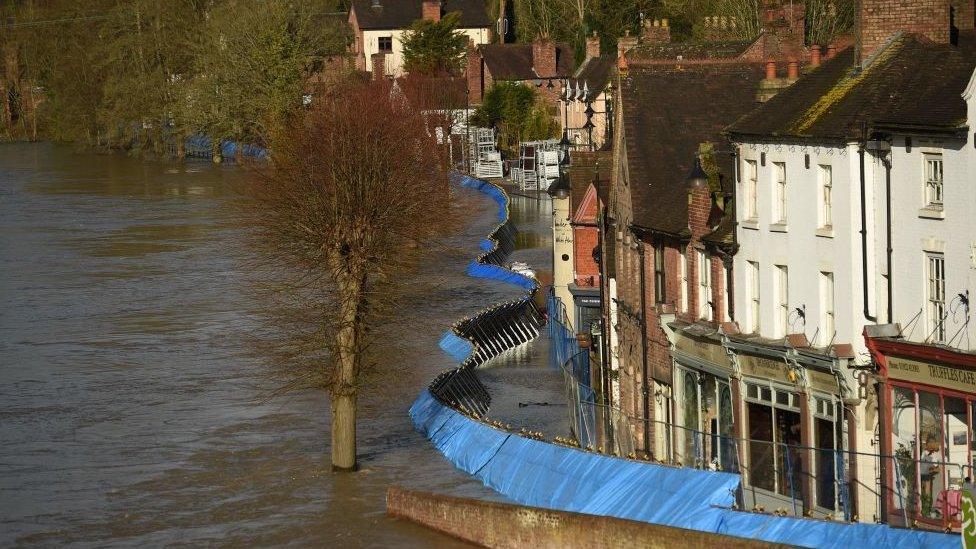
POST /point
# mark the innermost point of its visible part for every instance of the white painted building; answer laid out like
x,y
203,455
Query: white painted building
x,y
379,26
815,218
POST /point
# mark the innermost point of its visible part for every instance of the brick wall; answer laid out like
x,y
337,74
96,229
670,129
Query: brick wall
x,y
504,525
544,57
585,239
473,74
963,14
880,19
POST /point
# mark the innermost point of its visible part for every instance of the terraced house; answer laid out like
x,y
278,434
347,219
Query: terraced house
x,y
853,275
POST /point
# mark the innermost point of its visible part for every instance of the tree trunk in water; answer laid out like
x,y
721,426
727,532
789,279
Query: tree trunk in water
x,y
347,349
344,432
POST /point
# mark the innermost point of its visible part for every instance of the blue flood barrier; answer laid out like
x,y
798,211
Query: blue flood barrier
x,y
541,474
456,347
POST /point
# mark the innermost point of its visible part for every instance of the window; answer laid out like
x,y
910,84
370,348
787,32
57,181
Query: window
x,y
826,308
753,284
779,198
936,297
726,284
752,197
683,274
704,286
933,179
783,300
659,274
826,186
385,44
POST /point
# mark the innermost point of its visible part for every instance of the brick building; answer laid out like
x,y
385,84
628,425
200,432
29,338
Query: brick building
x,y
543,64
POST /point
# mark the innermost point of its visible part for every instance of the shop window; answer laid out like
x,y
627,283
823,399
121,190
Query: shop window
x,y
956,440
903,446
931,467
692,446
761,455
775,457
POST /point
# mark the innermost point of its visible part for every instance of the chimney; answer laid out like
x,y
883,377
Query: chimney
x,y
544,57
770,70
772,85
625,43
431,10
831,51
879,20
815,55
474,76
656,32
962,14
379,65
592,46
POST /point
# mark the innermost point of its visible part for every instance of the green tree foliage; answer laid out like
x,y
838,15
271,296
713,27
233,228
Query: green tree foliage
x,y
431,47
518,112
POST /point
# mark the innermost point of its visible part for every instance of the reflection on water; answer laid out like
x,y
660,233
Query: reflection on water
x,y
131,410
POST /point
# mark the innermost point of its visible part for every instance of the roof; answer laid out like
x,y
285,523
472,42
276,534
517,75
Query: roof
x,y
911,84
514,61
400,14
588,167
595,73
668,110
690,50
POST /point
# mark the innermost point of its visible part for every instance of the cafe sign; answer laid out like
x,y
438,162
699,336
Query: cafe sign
x,y
939,375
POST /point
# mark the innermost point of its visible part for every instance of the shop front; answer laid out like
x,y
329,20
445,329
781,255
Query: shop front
x,y
929,404
794,430
704,423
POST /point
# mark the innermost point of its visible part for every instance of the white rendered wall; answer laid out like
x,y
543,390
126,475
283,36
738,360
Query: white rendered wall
x,y
800,245
394,61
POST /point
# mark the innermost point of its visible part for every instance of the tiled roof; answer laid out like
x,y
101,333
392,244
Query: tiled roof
x,y
400,14
689,50
668,110
911,84
514,61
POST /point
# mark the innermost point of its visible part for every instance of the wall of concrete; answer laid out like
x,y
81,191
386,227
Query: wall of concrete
x,y
503,525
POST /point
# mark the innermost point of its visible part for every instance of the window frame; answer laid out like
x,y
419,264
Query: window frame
x,y
755,303
828,313
660,288
825,178
783,299
683,279
933,187
752,190
379,44
779,193
704,265
935,297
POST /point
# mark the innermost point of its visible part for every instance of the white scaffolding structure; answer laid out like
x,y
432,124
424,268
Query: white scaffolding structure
x,y
486,161
538,165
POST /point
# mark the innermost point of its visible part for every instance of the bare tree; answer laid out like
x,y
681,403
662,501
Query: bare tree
x,y
356,196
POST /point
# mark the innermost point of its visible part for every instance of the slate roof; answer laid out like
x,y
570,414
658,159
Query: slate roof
x,y
595,73
514,61
911,84
400,14
669,109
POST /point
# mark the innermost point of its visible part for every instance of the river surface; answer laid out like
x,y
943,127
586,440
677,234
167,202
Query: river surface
x,y
132,410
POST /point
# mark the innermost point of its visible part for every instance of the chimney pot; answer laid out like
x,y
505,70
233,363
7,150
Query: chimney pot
x,y
770,70
664,22
815,55
793,69
831,51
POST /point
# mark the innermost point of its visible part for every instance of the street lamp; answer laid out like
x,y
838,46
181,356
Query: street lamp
x,y
697,178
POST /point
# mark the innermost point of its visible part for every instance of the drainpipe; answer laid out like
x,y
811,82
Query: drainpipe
x,y
643,325
891,276
864,236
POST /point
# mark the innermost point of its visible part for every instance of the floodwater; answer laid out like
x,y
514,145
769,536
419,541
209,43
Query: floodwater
x,y
133,412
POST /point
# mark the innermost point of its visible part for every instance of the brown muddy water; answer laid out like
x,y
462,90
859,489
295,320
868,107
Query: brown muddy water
x,y
130,411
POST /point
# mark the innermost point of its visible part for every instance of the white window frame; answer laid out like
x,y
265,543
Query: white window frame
x,y
827,312
826,180
935,297
755,312
683,276
752,194
934,177
704,286
779,192
782,300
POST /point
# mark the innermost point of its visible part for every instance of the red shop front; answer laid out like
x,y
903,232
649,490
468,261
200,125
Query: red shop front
x,y
927,408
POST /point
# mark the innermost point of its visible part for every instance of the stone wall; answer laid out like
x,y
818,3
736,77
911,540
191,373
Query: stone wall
x,y
503,525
